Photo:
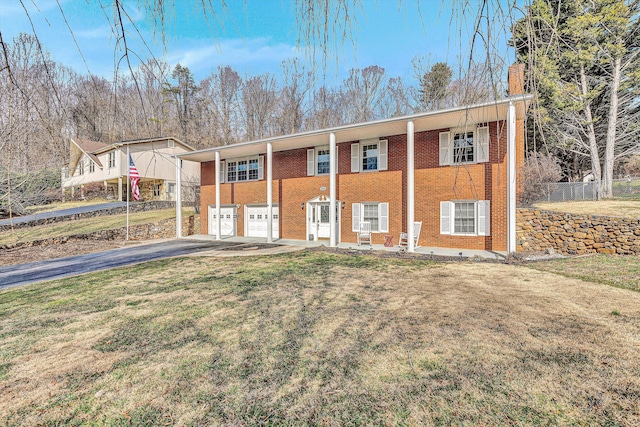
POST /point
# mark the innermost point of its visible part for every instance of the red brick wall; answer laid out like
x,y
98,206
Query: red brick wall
x,y
433,184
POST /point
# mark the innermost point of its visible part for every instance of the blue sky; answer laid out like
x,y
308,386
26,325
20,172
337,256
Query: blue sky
x,y
252,36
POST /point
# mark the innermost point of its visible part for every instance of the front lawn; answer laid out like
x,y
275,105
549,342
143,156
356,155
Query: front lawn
x,y
315,338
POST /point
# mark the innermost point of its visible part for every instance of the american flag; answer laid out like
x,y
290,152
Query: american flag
x,y
135,179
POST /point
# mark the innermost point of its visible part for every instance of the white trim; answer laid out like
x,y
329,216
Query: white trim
x,y
311,162
269,189
332,190
445,217
178,199
236,160
482,136
218,226
410,185
355,157
511,179
481,217
355,217
445,148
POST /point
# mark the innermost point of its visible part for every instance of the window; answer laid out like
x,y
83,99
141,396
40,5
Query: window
x,y
369,155
323,162
370,214
231,171
92,166
245,170
465,218
81,167
377,214
157,190
464,146
112,159
253,169
319,160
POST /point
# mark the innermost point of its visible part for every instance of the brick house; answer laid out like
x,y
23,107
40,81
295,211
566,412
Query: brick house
x,y
452,170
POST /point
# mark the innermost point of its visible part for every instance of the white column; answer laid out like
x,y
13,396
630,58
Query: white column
x,y
269,192
218,219
178,199
119,189
410,185
332,190
511,179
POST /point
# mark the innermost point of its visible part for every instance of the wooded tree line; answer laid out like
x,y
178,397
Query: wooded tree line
x,y
583,58
44,102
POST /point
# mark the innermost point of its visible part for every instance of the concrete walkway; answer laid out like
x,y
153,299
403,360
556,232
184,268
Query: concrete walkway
x,y
290,245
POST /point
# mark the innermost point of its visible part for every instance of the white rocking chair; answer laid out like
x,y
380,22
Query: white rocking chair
x,y
404,237
364,234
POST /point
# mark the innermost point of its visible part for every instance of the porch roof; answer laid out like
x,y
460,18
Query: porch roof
x,y
458,117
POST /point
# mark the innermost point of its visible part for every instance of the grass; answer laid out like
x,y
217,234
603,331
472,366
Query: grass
x,y
87,225
617,208
315,338
619,271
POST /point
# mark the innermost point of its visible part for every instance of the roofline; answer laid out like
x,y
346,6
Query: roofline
x,y
140,141
514,98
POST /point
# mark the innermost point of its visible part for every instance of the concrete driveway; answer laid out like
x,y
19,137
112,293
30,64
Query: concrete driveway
x,y
23,274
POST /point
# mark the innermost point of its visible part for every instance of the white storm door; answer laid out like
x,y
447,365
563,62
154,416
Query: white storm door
x,y
322,219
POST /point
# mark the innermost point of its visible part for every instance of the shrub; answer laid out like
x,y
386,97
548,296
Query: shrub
x,y
538,170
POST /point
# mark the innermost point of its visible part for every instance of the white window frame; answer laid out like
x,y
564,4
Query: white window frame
x,y
313,160
234,163
482,217
157,190
357,155
111,159
92,166
481,139
357,216
81,167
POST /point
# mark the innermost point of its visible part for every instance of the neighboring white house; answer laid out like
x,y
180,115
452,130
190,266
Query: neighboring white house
x,y
96,162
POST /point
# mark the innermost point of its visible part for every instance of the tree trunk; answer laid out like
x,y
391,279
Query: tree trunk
x,y
591,136
609,152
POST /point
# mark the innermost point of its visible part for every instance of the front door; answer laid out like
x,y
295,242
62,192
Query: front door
x,y
322,220
318,225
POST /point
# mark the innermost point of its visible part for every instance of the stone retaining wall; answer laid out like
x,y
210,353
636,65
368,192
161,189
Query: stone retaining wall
x,y
133,207
573,234
157,230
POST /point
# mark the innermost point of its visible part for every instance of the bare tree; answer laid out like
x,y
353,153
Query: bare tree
x,y
297,83
259,105
363,92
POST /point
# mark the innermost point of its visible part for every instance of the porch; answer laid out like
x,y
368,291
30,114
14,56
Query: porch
x,y
424,250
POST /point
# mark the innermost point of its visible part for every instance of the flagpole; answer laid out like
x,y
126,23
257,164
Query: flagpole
x,y
128,188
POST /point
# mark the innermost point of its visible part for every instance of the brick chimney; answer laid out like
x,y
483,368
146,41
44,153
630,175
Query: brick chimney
x,y
516,79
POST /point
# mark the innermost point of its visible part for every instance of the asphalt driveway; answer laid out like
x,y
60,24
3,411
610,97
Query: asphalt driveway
x,y
22,274
61,212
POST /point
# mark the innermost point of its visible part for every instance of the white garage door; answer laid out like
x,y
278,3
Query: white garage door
x,y
257,220
227,221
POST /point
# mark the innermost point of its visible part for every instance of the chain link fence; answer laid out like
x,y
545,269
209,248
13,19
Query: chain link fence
x,y
569,191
